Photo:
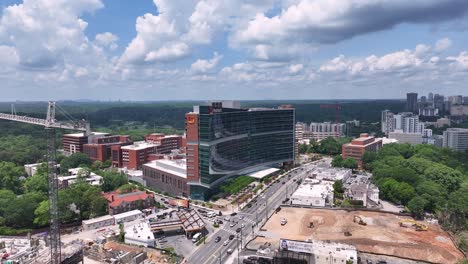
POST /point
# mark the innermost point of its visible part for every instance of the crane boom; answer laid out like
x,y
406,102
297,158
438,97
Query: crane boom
x,y
50,124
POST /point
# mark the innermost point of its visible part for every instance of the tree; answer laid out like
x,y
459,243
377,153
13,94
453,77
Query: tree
x,y
302,148
367,158
75,160
350,163
337,161
42,214
338,188
127,188
10,176
445,176
416,206
458,208
37,183
20,212
112,180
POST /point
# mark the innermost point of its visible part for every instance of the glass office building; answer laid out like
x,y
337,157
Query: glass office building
x,y
233,141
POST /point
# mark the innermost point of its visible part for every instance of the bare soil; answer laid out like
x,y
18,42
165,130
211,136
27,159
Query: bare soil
x,y
381,235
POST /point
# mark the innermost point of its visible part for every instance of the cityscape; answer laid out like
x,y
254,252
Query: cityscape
x,y
135,147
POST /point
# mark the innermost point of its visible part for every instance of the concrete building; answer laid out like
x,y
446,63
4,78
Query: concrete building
x,y
119,203
330,174
164,143
456,139
359,187
134,156
31,169
128,216
428,111
439,103
441,122
359,146
387,122
405,121
98,222
224,142
411,138
140,234
167,176
319,131
412,102
315,251
79,174
313,192
459,110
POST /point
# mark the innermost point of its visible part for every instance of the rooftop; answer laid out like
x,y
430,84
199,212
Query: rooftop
x,y
115,198
127,214
177,167
262,173
139,146
97,219
314,188
139,232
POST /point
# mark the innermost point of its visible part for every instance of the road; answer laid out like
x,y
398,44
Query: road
x,y
265,204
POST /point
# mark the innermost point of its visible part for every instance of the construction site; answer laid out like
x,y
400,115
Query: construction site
x,y
370,232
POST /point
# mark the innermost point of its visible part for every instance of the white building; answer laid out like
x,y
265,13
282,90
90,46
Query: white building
x,y
128,216
77,174
319,131
321,252
313,192
411,138
406,121
31,169
456,139
330,174
140,234
359,187
98,222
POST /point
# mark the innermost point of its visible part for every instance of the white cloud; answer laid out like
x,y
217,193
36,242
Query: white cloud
x,y
443,44
460,61
106,39
169,52
204,66
295,68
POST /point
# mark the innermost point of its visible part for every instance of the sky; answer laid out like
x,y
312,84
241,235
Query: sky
x,y
231,49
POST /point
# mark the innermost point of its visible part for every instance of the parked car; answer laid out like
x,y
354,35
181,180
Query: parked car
x,y
217,239
232,224
241,217
242,225
284,221
229,251
238,229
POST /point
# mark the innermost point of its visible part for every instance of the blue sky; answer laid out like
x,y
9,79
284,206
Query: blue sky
x,y
231,49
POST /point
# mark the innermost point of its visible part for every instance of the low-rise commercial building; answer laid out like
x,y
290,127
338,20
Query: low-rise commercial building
x,y
123,202
128,216
99,148
77,174
140,234
313,192
317,252
359,187
164,144
359,146
98,222
167,176
330,174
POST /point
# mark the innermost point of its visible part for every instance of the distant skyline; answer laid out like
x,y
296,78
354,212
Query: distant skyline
x,y
231,49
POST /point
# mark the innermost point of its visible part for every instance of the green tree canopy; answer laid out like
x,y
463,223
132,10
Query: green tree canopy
x,y
416,206
350,163
112,180
337,161
75,160
10,176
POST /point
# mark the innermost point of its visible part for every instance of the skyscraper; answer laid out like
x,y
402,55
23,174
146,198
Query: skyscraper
x,y
225,142
430,98
412,102
439,103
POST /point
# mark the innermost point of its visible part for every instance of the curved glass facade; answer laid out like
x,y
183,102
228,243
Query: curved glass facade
x,y
237,139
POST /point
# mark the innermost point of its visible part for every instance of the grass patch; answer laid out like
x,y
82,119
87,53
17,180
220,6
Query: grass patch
x,y
236,185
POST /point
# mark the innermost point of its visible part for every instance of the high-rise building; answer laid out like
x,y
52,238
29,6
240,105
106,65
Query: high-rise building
x,y
465,100
225,142
387,122
430,97
455,100
456,139
423,99
439,103
319,131
412,102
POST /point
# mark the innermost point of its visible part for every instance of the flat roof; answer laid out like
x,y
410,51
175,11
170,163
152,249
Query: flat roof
x,y
262,173
140,231
98,219
177,167
74,135
127,214
314,189
139,146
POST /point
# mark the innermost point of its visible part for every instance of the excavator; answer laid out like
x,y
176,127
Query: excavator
x,y
416,225
358,219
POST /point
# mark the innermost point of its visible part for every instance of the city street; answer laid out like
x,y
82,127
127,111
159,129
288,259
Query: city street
x,y
264,205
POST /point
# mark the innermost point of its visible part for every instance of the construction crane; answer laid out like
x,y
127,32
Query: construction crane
x,y
50,124
337,108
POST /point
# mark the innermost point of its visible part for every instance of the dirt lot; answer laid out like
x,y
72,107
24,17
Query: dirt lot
x,y
381,235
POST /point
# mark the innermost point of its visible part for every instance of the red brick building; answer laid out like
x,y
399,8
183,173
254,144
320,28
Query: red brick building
x,y
119,203
100,148
164,144
73,143
359,146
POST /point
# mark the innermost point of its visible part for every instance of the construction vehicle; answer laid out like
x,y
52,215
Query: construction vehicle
x,y
50,124
416,225
311,224
358,219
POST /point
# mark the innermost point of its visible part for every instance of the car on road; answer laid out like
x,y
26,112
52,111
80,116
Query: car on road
x,y
241,217
226,243
238,229
243,225
283,182
249,205
232,224
231,237
234,214
217,239
229,251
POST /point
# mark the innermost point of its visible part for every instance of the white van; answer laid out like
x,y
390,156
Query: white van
x,y
196,237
